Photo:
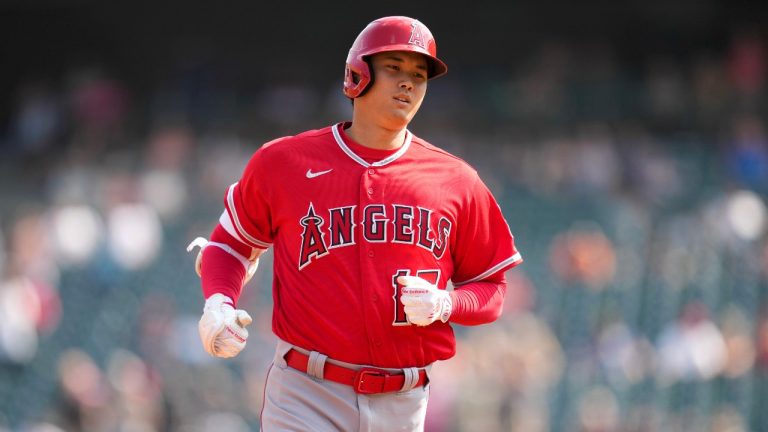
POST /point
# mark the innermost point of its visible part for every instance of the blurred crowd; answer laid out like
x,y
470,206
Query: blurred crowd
x,y
637,195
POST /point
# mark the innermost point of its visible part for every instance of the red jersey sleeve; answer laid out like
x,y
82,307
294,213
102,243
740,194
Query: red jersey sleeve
x,y
247,205
484,245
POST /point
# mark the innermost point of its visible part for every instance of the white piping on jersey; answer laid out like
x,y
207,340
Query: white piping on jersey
x,y
513,259
236,220
228,249
361,161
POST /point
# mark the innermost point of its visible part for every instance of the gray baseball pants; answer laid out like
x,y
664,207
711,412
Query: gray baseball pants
x,y
296,401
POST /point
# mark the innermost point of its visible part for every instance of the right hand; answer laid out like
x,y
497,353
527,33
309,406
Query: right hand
x,y
222,327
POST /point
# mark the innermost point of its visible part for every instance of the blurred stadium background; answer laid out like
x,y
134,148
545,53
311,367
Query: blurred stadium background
x,y
625,141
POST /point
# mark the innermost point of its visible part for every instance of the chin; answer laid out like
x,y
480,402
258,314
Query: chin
x,y
401,120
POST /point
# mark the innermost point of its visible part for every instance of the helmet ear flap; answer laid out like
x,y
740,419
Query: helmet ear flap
x,y
358,77
370,74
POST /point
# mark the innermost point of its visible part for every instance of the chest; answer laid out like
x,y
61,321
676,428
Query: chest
x,y
345,205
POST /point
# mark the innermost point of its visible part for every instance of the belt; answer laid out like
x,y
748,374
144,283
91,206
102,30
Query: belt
x,y
366,380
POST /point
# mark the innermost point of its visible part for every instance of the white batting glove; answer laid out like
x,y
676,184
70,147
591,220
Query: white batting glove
x,y
222,327
424,303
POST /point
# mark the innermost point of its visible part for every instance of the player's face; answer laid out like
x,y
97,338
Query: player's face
x,y
400,82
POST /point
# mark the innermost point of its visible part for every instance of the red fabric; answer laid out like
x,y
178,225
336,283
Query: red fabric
x,y
380,381
220,235
342,230
221,273
478,302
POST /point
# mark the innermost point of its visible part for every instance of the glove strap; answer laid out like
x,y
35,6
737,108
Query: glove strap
x,y
447,308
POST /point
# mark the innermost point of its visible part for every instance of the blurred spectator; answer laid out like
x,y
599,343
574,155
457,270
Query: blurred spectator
x,y
163,185
85,402
38,122
747,153
627,359
691,348
747,68
667,90
99,105
739,342
726,418
20,312
761,329
583,255
651,172
598,411
31,253
711,89
138,397
77,232
508,372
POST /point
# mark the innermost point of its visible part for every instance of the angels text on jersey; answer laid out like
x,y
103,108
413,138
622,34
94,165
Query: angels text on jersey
x,y
381,223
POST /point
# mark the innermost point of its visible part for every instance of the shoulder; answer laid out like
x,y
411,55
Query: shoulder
x,y
288,143
457,165
292,145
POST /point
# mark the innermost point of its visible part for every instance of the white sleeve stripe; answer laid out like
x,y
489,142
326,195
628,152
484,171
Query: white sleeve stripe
x,y
236,220
511,260
226,248
226,223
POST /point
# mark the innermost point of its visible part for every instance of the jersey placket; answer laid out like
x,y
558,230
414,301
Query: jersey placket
x,y
370,189
372,284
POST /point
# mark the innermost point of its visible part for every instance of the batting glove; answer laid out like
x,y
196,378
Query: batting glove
x,y
424,303
222,327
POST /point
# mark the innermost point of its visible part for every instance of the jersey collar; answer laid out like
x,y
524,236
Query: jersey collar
x,y
389,159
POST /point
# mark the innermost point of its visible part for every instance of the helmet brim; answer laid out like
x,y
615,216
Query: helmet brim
x,y
436,67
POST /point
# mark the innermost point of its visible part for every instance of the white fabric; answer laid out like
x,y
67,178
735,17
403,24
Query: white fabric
x,y
236,220
222,327
202,243
316,365
424,303
389,159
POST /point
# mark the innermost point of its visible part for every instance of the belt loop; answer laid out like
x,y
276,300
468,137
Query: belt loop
x,y
411,378
316,365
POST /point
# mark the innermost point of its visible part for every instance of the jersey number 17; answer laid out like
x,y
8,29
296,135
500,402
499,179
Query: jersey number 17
x,y
431,276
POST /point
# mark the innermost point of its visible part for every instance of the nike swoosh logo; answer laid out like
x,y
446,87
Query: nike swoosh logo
x,y
311,174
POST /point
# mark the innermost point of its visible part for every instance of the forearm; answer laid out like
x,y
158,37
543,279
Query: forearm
x,y
478,302
224,266
221,273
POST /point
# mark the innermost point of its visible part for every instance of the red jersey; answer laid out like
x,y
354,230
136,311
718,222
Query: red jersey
x,y
345,221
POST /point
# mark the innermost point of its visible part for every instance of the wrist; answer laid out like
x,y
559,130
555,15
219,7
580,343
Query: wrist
x,y
447,307
216,300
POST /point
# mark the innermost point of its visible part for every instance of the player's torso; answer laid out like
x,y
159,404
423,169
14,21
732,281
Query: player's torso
x,y
343,233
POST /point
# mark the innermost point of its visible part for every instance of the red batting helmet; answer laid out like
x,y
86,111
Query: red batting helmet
x,y
395,33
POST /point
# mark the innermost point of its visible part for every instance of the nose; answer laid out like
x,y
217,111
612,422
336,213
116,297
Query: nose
x,y
406,84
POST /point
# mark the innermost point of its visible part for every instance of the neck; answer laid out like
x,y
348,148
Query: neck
x,y
376,137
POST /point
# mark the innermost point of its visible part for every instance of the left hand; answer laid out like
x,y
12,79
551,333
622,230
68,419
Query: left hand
x,y
424,303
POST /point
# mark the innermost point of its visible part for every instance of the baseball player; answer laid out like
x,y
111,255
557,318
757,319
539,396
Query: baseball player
x,y
368,224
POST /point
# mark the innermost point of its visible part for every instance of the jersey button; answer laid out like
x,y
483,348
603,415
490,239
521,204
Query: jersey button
x,y
377,342
370,254
371,171
375,298
370,191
